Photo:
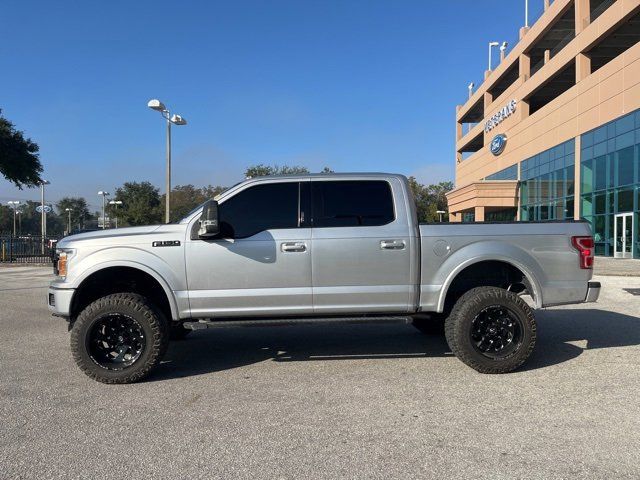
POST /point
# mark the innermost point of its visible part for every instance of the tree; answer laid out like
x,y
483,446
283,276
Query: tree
x,y
79,210
19,159
262,170
429,199
140,204
185,198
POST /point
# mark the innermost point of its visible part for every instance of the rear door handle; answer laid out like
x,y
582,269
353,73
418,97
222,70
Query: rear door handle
x,y
392,244
293,247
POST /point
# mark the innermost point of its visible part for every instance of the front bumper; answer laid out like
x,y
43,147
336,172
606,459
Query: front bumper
x,y
593,291
59,301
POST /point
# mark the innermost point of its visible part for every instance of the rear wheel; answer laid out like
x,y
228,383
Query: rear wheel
x,y
119,338
491,329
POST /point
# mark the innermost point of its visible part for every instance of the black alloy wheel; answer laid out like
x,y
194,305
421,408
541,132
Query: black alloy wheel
x,y
116,341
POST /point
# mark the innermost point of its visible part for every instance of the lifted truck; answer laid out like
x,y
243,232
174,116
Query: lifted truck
x,y
315,248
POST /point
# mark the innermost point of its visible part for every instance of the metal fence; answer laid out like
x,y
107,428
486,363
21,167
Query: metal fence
x,y
26,249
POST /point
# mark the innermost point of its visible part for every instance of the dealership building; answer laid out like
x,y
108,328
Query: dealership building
x,y
553,132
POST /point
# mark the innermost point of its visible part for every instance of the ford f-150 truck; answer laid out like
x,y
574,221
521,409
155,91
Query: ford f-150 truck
x,y
315,248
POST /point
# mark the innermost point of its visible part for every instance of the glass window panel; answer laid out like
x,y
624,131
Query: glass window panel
x,y
600,171
600,134
587,205
570,159
558,163
587,140
587,176
625,200
600,149
625,140
599,224
544,157
611,129
570,146
568,211
570,179
610,200
586,154
601,203
611,145
638,119
624,160
625,124
544,212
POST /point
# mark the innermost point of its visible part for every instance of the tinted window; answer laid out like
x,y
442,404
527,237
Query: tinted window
x,y
352,203
259,208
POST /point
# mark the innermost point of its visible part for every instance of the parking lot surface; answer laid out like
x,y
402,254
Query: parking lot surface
x,y
347,401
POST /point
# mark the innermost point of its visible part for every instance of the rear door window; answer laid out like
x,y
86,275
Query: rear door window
x,y
360,203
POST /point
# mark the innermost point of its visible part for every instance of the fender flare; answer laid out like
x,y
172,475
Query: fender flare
x,y
491,255
130,264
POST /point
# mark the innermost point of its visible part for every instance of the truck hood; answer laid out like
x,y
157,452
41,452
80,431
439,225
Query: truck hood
x,y
121,236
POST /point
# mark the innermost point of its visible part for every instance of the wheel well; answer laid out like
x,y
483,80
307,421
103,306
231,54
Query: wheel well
x,y
119,280
490,273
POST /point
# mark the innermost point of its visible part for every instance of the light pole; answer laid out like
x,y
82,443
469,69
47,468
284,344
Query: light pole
x,y
43,214
158,106
503,50
116,203
440,212
14,204
491,45
104,195
69,210
470,87
526,13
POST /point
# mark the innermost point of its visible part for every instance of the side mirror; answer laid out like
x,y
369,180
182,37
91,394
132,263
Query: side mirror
x,y
209,225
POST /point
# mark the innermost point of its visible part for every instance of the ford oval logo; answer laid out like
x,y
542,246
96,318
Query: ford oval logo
x,y
498,143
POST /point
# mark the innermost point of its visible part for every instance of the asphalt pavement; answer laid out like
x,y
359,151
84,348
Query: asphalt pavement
x,y
339,401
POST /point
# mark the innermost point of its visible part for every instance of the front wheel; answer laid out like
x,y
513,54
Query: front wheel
x,y
119,338
491,330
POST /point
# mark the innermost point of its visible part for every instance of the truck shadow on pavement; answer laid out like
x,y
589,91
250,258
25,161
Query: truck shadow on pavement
x,y
213,350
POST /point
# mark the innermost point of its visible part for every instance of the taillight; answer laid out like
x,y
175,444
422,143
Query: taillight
x,y
584,245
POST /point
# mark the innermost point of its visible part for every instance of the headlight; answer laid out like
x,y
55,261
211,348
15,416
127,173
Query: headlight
x,y
63,256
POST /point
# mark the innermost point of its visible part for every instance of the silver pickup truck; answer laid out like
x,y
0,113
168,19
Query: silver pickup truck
x,y
315,248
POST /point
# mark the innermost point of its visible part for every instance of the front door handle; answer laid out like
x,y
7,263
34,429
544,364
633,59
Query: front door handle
x,y
293,247
392,244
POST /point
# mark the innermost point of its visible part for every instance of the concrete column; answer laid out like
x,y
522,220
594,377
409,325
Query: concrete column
x,y
479,212
488,100
523,107
583,15
583,66
523,32
576,176
547,56
459,132
524,67
546,5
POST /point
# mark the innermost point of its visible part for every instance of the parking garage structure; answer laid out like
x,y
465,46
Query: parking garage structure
x,y
553,132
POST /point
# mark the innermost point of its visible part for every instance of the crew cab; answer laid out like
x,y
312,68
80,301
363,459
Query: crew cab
x,y
315,248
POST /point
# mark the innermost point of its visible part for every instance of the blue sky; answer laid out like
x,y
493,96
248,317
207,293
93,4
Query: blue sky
x,y
353,85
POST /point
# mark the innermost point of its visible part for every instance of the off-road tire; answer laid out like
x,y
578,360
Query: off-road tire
x,y
154,326
459,324
433,324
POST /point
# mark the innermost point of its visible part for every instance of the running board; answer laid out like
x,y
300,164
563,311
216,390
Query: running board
x,y
202,324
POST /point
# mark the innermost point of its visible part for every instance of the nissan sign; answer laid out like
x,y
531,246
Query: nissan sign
x,y
504,113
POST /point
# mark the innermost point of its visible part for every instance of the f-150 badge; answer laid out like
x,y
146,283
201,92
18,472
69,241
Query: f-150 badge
x,y
166,243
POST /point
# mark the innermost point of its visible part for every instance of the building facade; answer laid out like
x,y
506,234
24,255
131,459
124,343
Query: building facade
x,y
553,132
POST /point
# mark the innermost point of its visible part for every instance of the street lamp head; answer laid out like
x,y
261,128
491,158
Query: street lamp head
x,y
471,85
178,120
441,211
115,202
494,44
504,46
103,193
68,209
157,105
45,182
